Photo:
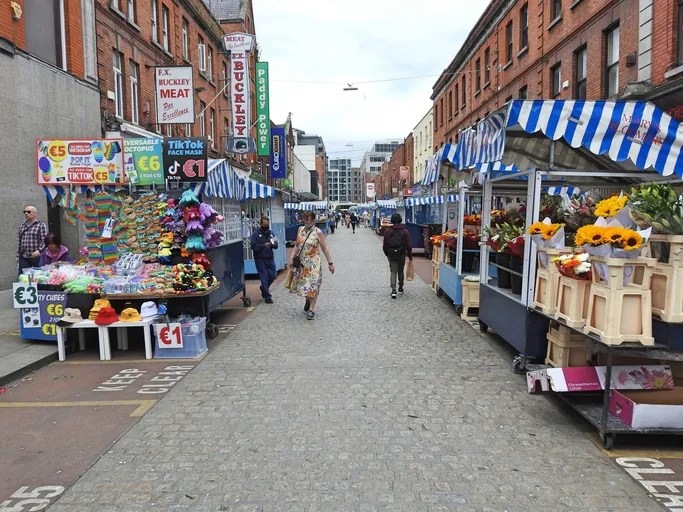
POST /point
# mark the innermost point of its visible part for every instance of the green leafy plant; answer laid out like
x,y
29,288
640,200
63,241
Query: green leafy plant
x,y
659,206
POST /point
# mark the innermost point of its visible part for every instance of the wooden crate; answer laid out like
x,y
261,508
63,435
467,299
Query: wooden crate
x,y
667,292
545,258
470,298
566,354
545,294
620,316
675,243
572,301
564,335
435,276
616,271
436,253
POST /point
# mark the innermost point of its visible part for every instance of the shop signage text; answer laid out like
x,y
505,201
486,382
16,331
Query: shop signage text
x,y
185,159
262,110
370,190
639,129
404,173
143,161
83,162
238,41
664,481
239,45
174,95
278,154
40,323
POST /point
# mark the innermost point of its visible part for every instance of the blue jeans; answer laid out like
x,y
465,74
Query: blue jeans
x,y
27,263
267,273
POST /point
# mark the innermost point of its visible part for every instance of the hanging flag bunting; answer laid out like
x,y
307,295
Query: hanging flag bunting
x,y
262,110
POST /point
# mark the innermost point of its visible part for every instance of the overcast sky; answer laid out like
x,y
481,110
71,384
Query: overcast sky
x,y
353,41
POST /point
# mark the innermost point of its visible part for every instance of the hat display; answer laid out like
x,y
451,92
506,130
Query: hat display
x,y
130,315
149,309
106,316
71,316
99,304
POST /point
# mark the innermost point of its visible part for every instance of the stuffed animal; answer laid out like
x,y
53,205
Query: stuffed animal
x,y
164,251
194,227
191,213
212,237
207,214
200,258
188,199
195,243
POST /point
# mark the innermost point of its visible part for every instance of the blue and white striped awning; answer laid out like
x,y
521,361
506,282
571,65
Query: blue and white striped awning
x,y
416,201
311,205
256,190
561,191
636,133
222,181
387,203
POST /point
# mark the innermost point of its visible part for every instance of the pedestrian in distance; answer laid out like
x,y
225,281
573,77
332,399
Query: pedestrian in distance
x,y
330,223
337,218
263,242
348,220
354,221
32,233
54,251
306,261
397,245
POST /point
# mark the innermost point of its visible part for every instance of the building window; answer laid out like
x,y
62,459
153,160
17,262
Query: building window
x,y
202,124
188,130
464,91
134,92
441,112
212,127
556,9
477,75
556,79
523,93
209,64
155,25
487,66
169,130
130,11
224,79
508,44
457,98
164,27
186,40
436,115
450,103
524,26
226,131
581,69
201,53
680,31
612,71
118,84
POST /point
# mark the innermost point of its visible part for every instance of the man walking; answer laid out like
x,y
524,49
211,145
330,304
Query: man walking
x,y
263,241
354,221
32,233
397,245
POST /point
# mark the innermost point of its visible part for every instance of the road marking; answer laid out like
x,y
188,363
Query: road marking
x,y
654,454
143,405
251,308
137,361
11,333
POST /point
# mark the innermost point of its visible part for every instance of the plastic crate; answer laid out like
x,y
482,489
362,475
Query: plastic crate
x,y
194,342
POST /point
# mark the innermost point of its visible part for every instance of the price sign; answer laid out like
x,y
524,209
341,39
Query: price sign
x,y
25,295
143,161
39,322
169,335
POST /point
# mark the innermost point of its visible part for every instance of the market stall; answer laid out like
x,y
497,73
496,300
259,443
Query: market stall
x,y
381,213
602,148
293,213
424,219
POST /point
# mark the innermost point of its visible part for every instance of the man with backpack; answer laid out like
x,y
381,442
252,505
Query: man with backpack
x,y
354,221
397,245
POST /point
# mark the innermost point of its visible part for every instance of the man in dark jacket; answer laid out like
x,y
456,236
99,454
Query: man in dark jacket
x,y
397,245
263,241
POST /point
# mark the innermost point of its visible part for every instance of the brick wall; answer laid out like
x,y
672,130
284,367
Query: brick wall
x,y
135,42
321,167
549,43
410,158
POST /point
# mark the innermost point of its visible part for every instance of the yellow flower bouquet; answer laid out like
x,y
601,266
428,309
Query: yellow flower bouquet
x,y
610,206
546,234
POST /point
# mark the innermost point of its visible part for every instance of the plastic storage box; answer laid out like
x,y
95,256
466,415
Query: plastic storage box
x,y
194,341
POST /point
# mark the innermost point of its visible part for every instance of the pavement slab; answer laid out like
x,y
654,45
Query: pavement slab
x,y
377,405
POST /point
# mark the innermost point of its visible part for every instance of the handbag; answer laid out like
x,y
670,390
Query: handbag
x,y
410,274
289,279
296,261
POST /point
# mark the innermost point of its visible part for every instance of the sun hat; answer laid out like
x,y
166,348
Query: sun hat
x,y
99,304
71,316
106,316
130,315
149,309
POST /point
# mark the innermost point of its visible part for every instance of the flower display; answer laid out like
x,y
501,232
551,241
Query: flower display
x,y
575,266
591,235
610,206
473,220
505,238
617,237
547,231
658,206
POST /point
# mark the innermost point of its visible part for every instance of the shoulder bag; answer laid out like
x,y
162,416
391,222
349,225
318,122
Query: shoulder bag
x,y
296,261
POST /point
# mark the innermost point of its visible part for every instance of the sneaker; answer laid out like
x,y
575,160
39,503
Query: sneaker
x,y
400,290
307,306
263,292
310,315
269,301
393,294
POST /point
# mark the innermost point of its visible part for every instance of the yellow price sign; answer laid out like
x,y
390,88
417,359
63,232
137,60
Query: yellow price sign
x,y
57,150
55,310
101,175
149,163
49,329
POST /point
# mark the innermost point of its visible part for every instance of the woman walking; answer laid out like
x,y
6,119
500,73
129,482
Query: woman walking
x,y
308,276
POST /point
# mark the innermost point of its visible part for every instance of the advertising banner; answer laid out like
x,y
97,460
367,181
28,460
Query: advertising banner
x,y
262,110
404,173
278,154
144,158
80,161
41,323
370,190
174,94
241,105
185,159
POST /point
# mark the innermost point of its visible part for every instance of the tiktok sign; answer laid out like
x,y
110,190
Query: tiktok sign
x,y
185,159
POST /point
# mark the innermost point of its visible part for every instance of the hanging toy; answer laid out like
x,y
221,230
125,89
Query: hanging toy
x,y
188,199
191,213
194,227
207,214
195,243
200,258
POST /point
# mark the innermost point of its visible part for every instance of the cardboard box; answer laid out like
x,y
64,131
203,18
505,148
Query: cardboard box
x,y
587,378
648,409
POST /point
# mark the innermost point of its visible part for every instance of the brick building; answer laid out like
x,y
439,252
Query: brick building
x,y
48,70
551,49
391,184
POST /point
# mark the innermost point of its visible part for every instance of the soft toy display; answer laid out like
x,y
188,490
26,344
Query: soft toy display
x,y
191,277
164,252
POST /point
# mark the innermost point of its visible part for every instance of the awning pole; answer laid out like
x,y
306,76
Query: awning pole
x,y
485,221
461,230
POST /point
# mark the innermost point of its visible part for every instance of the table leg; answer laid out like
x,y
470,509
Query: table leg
x,y
124,338
119,338
148,341
81,339
105,349
60,344
107,344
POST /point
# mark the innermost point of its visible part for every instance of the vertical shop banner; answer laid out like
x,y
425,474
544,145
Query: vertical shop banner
x,y
41,323
239,45
143,161
278,154
370,190
80,161
404,173
185,159
174,94
262,110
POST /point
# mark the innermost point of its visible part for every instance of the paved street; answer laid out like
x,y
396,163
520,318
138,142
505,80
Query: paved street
x,y
376,405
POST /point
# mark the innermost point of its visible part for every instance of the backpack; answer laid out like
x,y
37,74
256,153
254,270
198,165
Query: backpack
x,y
395,244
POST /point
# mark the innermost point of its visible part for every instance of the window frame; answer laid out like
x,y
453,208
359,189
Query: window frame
x,y
457,98
609,67
450,104
202,119
524,26
509,45
119,90
186,39
130,11
556,80
224,79
166,33
201,54
487,66
580,83
556,9
477,74
209,62
441,112
188,129
212,127
464,92
134,74
155,20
